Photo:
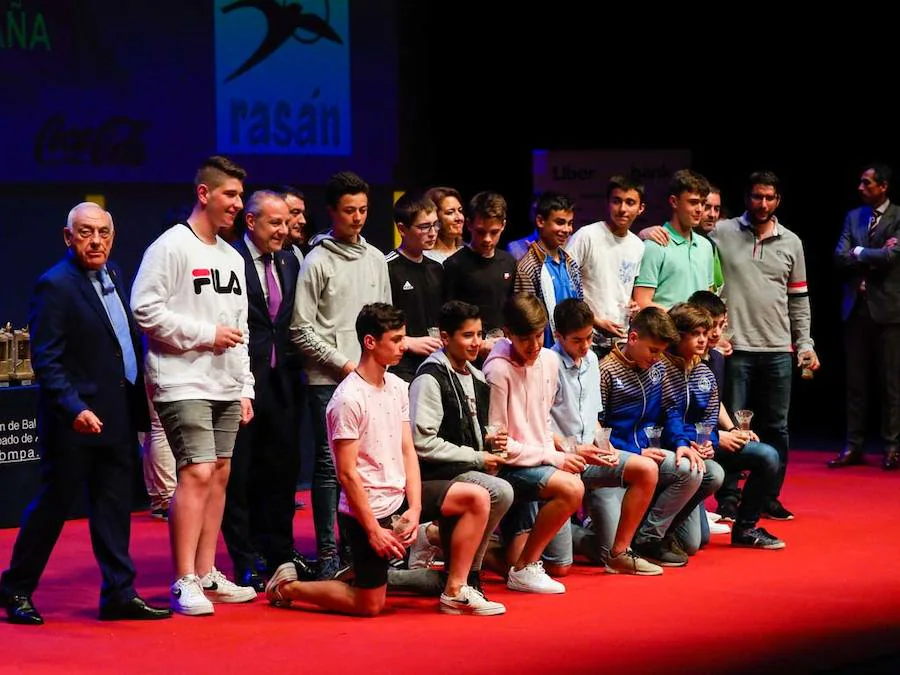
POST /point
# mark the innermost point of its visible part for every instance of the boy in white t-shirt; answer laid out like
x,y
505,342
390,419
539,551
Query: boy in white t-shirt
x,y
609,256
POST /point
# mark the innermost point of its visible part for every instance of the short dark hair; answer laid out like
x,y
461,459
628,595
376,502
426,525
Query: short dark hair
x,y
625,183
688,317
572,314
455,313
654,323
882,172
685,180
709,301
344,183
411,205
286,190
216,170
524,314
552,201
487,205
763,178
378,318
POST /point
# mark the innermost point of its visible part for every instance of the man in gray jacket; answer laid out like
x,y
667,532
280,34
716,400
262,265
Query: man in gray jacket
x,y
768,309
341,274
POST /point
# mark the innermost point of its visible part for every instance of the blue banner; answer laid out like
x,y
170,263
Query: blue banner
x,y
283,77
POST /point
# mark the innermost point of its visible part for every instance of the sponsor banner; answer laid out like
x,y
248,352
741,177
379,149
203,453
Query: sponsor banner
x,y
583,175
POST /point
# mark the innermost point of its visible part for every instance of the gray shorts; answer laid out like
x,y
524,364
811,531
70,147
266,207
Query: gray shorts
x,y
199,431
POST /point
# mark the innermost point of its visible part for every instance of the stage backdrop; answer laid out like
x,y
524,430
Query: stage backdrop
x,y
583,175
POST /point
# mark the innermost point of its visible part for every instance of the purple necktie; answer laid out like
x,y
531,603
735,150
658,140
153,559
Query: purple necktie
x,y
274,294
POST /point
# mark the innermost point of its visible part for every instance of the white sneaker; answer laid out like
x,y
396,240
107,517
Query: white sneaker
x,y
719,528
712,517
186,597
533,579
470,601
219,589
284,574
422,553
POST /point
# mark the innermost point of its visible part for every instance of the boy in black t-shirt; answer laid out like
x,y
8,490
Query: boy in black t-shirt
x,y
480,273
416,280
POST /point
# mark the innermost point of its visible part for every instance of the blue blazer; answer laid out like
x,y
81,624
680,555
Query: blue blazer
x,y
263,330
77,360
879,266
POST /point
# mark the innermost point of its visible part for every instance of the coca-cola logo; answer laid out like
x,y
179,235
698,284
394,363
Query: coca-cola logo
x,y
119,141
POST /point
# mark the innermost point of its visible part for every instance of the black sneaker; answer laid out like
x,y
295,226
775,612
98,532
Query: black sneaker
x,y
776,511
660,552
756,537
727,512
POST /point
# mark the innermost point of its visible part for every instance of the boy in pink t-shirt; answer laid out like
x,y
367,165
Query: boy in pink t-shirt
x,y
382,497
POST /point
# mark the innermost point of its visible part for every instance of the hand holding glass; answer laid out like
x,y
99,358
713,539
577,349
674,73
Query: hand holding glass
x,y
492,431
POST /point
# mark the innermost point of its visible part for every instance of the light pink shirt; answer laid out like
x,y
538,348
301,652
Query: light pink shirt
x,y
376,416
521,398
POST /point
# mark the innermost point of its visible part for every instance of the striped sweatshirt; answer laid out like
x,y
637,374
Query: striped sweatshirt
x,y
690,395
632,399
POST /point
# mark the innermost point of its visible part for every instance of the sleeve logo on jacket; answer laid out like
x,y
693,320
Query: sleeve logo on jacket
x,y
211,277
657,370
703,384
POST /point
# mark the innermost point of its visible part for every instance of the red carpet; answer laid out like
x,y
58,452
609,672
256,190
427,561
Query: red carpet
x,y
830,599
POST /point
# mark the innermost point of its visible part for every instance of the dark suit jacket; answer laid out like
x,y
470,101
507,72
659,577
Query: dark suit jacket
x,y
876,264
77,360
263,331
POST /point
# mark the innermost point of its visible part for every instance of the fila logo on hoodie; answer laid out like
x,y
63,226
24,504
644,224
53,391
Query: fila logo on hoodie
x,y
210,277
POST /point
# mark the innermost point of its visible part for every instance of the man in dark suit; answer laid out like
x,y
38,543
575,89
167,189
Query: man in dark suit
x,y
868,254
259,506
86,354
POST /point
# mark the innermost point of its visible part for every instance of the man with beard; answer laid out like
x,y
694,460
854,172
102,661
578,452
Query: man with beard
x,y
768,309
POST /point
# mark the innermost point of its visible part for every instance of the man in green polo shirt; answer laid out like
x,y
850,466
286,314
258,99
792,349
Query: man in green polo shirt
x,y
671,274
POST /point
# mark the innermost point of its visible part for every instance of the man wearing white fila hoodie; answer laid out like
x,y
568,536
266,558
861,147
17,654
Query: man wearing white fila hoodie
x,y
340,275
190,299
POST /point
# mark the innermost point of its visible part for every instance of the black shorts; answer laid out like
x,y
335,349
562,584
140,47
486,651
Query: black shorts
x,y
369,568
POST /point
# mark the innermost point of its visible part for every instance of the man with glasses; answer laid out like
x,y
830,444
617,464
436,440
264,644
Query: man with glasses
x,y
416,280
768,309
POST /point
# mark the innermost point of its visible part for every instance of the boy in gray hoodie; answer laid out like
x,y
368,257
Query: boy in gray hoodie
x,y
449,401
341,274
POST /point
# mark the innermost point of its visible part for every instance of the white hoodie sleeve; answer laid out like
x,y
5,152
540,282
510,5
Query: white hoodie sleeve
x,y
150,302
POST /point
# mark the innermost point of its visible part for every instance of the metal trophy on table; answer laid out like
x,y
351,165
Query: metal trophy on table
x,y
6,343
21,357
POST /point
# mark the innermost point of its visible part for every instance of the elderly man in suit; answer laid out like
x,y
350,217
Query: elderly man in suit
x,y
868,254
259,508
86,356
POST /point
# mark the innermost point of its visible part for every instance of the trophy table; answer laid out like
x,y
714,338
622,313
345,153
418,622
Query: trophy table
x,y
21,357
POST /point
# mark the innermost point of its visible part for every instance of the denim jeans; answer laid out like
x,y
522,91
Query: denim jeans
x,y
761,382
676,488
325,488
709,483
762,461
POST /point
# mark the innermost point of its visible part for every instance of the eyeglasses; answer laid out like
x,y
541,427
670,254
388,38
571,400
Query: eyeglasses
x,y
427,227
87,233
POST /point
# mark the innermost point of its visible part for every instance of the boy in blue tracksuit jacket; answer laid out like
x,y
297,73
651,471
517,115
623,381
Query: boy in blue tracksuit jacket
x,y
691,397
631,382
737,450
